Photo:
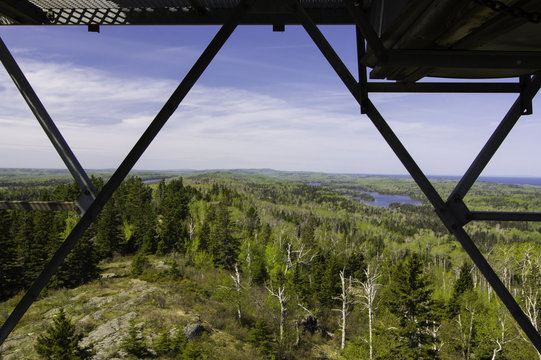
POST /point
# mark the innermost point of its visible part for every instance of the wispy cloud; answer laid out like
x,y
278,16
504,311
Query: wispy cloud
x,y
303,124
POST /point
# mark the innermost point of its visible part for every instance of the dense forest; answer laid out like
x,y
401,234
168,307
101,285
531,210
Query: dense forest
x,y
288,266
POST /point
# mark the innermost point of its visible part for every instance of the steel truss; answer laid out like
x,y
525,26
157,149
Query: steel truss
x,y
453,212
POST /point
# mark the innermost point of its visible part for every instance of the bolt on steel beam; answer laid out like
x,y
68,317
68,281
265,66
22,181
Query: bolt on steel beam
x,y
125,167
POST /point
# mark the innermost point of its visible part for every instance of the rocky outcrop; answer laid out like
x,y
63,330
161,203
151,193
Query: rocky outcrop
x,y
192,330
107,336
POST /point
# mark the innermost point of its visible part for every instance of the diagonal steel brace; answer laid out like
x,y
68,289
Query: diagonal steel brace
x,y
495,140
125,167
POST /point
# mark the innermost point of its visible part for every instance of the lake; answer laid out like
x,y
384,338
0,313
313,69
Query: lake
x,y
383,200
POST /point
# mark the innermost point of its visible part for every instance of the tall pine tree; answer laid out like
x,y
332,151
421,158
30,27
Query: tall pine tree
x,y
9,262
409,298
223,247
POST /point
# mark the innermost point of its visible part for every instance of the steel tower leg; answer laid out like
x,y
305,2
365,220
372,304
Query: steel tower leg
x,y
451,216
125,167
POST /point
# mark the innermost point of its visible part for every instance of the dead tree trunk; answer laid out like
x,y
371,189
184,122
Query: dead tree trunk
x,y
369,289
282,300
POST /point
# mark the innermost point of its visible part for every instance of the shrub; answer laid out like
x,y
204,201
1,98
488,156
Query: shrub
x,y
61,342
135,345
139,264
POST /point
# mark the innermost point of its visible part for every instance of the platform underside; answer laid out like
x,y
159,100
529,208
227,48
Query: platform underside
x,y
438,26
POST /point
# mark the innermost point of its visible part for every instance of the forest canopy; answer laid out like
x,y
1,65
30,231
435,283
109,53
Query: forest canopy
x,y
296,262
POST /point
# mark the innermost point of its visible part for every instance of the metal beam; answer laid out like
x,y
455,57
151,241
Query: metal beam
x,y
41,114
528,60
363,76
442,87
119,175
444,211
494,142
366,29
177,16
504,216
38,205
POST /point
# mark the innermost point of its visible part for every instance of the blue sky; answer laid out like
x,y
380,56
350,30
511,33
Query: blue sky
x,y
269,100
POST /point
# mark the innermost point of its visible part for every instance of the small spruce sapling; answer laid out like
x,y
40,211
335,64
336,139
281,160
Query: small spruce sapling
x,y
60,341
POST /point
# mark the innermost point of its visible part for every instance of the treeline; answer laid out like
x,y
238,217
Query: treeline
x,y
304,266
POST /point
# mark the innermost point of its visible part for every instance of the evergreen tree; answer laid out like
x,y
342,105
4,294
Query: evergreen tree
x,y
174,211
203,237
325,270
135,345
61,342
139,264
463,285
307,231
163,344
81,264
139,214
261,337
409,298
259,267
109,230
9,266
31,260
252,221
224,248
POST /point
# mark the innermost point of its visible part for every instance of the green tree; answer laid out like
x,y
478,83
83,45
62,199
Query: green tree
x,y
252,221
81,264
224,247
134,344
174,211
139,264
261,337
109,230
203,237
409,298
60,341
9,266
463,285
139,214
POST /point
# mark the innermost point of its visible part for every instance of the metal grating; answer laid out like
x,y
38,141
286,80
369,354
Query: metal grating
x,y
145,12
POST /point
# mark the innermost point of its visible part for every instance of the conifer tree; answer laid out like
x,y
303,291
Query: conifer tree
x,y
261,336
174,211
9,267
224,248
109,234
410,300
60,341
203,237
22,230
463,284
81,264
135,345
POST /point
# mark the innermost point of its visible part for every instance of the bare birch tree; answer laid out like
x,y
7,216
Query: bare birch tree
x,y
367,295
282,300
347,299
237,288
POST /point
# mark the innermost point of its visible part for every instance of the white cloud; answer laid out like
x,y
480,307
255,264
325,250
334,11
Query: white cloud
x,y
102,114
